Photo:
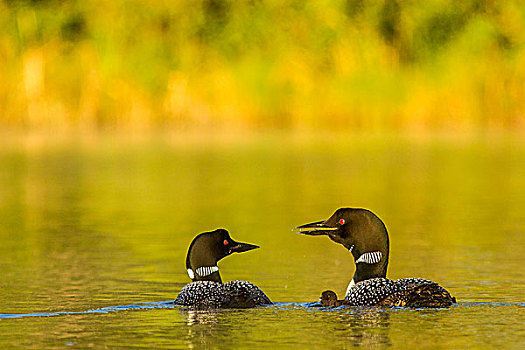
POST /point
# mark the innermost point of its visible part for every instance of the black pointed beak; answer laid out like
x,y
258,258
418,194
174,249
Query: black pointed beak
x,y
238,247
317,228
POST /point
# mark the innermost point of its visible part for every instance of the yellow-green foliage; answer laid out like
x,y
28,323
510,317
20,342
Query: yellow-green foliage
x,y
342,65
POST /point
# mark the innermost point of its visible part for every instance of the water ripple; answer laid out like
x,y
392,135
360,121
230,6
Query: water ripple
x,y
102,310
313,306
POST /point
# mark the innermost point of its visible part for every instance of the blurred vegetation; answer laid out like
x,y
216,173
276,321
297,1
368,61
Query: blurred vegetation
x,y
262,64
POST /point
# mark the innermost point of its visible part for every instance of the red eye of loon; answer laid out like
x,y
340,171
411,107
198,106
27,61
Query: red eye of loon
x,y
342,221
225,242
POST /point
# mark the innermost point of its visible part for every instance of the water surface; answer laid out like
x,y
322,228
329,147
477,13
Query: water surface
x,y
94,239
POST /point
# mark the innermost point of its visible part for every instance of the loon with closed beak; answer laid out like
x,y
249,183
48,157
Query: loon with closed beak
x,y
207,289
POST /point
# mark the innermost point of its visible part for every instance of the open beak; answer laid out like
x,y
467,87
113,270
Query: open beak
x,y
239,247
315,229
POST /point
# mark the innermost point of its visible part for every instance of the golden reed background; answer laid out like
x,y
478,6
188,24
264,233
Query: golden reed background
x,y
262,65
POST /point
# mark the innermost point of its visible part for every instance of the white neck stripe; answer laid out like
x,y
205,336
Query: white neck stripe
x,y
370,258
204,271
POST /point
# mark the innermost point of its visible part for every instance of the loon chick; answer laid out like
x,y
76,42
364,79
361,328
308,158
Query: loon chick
x,y
207,289
329,299
365,236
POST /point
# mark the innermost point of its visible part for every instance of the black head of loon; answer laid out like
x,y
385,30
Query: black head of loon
x,y
362,233
207,249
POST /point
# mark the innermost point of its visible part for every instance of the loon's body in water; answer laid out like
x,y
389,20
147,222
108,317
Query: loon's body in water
x,y
207,289
365,236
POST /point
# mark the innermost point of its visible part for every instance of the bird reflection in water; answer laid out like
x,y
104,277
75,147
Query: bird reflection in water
x,y
345,326
206,328
368,327
195,317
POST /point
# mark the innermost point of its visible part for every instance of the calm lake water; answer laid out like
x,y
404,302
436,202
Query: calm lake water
x,y
94,238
